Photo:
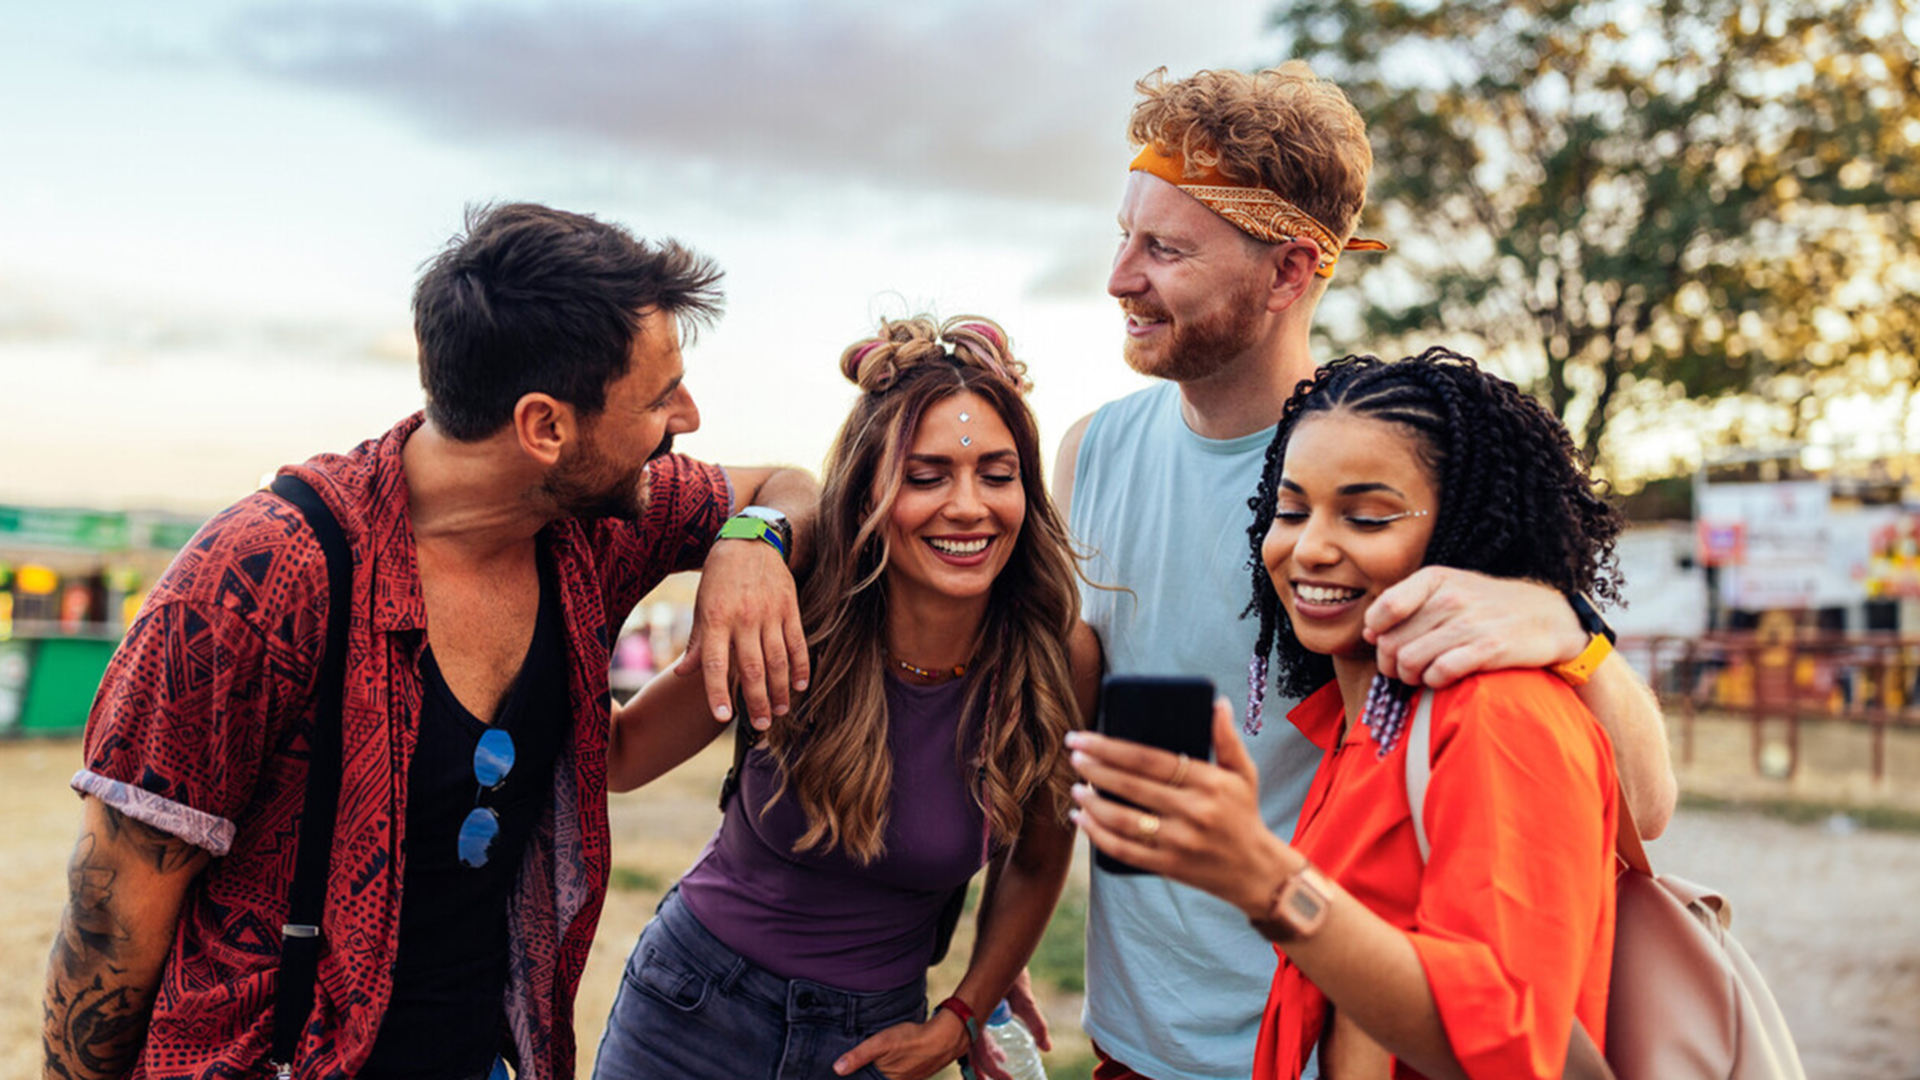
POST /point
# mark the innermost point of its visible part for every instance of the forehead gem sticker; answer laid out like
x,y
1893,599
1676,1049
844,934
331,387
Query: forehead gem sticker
x,y
966,440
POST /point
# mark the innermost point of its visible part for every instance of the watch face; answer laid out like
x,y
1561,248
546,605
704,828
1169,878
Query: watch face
x,y
1303,903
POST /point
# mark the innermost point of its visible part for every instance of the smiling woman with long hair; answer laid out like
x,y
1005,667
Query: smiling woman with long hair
x,y
949,662
1486,958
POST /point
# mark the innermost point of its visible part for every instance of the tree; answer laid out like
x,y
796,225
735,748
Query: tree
x,y
1638,208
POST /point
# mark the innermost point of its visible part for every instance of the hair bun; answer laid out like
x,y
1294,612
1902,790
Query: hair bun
x,y
875,363
980,342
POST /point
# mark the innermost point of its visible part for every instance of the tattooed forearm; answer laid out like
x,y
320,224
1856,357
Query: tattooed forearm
x,y
93,1030
125,884
90,928
166,852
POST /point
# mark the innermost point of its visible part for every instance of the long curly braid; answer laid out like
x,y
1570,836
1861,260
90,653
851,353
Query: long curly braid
x,y
1516,501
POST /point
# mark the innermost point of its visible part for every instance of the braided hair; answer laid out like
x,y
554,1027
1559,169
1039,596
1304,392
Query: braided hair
x,y
1516,501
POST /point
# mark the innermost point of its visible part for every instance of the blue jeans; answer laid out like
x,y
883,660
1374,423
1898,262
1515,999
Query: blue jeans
x,y
689,1007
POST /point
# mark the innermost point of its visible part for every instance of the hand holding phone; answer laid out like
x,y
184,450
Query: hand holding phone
x,y
1172,712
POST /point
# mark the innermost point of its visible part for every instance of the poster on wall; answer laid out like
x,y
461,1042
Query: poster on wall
x,y
1893,568
1784,538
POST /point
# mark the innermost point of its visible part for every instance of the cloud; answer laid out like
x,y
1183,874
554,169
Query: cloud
x,y
114,330
1009,99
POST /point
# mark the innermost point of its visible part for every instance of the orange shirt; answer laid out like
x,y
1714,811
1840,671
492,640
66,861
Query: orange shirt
x,y
1513,915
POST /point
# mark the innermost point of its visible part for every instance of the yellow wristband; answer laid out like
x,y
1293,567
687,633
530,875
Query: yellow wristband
x,y
1581,668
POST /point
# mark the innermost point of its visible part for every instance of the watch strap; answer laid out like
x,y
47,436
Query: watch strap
x,y
1299,907
1581,668
1590,619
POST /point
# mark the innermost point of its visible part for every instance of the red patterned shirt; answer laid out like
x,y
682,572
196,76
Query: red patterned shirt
x,y
200,728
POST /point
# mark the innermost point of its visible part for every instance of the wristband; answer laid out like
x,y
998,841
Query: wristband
x,y
759,523
958,1007
1581,668
964,1011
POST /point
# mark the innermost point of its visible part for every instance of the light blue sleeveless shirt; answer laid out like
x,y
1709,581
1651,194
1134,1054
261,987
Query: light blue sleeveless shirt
x,y
1176,979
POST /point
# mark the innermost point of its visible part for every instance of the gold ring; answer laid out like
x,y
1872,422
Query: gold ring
x,y
1180,771
1148,827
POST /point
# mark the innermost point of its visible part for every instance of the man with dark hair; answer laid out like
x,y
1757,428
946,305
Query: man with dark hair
x,y
498,541
1244,198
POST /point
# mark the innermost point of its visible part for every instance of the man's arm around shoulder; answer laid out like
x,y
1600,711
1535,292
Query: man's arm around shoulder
x,y
746,616
127,883
1441,624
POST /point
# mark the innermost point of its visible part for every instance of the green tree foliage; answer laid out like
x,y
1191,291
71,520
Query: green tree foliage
x,y
1700,208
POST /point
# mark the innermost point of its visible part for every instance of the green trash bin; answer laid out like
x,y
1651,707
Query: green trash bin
x,y
63,674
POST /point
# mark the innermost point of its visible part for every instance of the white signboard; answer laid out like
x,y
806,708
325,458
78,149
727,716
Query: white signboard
x,y
1788,537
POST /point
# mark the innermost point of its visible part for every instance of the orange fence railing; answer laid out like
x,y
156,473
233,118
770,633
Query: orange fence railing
x,y
1870,679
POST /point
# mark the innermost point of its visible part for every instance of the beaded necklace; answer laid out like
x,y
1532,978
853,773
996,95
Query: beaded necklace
x,y
941,674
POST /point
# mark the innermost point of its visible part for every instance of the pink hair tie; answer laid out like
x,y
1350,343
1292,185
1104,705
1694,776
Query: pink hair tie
x,y
859,354
985,331
987,360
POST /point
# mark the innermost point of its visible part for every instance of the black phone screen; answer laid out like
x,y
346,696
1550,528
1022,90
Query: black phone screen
x,y
1172,712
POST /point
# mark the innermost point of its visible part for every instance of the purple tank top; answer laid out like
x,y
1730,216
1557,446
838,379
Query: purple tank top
x,y
826,918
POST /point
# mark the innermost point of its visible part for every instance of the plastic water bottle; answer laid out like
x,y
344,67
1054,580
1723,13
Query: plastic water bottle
x,y
1023,1057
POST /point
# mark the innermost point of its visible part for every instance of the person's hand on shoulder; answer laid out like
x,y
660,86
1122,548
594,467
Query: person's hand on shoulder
x,y
1440,625
746,624
746,615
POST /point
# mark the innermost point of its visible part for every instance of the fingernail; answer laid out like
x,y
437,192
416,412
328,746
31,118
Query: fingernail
x,y
723,714
1074,815
779,710
1079,759
1081,792
1075,738
762,723
800,684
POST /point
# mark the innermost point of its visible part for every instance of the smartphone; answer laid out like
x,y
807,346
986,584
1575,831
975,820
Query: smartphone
x,y
1172,712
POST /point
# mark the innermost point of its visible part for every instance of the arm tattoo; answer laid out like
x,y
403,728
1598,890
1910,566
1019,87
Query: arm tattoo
x,y
101,977
167,852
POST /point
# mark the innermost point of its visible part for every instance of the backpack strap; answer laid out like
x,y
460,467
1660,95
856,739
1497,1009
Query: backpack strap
x,y
1420,769
300,941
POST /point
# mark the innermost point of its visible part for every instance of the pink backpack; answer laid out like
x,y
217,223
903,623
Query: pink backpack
x,y
1685,1001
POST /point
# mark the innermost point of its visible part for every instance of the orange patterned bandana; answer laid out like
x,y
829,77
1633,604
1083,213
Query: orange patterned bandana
x,y
1256,211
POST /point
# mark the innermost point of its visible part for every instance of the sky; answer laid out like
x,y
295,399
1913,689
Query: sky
x,y
212,213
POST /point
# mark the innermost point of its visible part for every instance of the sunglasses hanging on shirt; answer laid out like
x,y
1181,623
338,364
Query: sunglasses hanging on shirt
x,y
492,761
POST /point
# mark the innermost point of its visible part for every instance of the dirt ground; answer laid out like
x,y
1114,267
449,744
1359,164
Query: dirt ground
x,y
1824,908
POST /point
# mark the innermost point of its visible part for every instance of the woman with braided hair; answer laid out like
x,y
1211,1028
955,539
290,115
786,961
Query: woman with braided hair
x,y
1489,954
949,663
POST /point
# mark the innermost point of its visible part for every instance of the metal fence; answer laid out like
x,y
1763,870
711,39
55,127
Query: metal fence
x,y
1869,679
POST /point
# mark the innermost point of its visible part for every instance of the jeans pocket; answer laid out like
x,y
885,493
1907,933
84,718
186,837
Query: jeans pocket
x,y
665,975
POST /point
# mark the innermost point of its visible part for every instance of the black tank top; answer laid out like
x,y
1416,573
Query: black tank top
x,y
447,1019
